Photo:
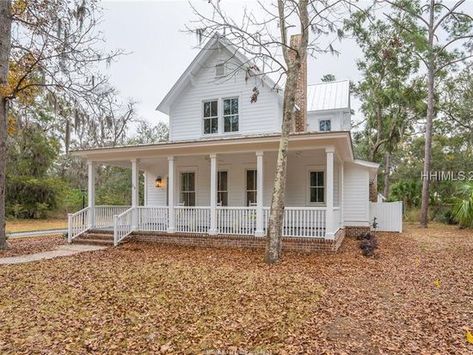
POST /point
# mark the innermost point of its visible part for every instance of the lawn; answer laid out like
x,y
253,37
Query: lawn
x,y
27,225
415,297
31,245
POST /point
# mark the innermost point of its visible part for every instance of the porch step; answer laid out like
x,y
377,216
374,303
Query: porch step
x,y
95,237
90,241
101,236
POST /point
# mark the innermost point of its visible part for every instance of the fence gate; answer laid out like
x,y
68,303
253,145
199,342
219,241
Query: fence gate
x,y
388,215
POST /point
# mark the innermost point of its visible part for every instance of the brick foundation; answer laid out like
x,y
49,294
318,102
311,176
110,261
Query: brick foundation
x,y
356,231
242,241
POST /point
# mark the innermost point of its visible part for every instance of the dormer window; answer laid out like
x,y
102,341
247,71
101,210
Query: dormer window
x,y
210,116
220,69
325,125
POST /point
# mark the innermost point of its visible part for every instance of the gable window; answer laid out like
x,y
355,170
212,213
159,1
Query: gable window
x,y
251,187
220,69
230,115
210,117
188,189
325,125
222,188
316,187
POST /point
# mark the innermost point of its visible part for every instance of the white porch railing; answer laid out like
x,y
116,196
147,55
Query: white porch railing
x,y
298,221
78,223
236,220
104,215
304,222
123,225
152,219
195,219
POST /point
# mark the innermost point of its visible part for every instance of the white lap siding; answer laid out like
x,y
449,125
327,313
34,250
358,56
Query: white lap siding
x,y
185,116
356,195
297,192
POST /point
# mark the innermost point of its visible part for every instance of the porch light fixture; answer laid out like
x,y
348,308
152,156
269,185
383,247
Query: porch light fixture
x,y
159,183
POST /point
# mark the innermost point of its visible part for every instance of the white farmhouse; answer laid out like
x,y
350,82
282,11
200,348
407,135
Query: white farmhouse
x,y
211,184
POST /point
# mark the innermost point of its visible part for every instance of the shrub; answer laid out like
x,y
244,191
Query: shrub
x,y
368,244
463,208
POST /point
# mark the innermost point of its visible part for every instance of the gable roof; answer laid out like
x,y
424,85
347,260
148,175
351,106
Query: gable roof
x,y
333,95
198,62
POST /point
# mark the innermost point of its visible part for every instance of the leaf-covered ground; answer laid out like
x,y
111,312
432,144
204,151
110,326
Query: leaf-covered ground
x,y
31,245
27,225
416,297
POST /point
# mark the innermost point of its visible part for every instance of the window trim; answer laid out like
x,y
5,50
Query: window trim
x,y
246,186
180,171
222,191
202,118
223,114
325,119
315,168
224,69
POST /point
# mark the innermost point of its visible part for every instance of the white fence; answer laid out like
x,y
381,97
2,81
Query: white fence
x,y
388,215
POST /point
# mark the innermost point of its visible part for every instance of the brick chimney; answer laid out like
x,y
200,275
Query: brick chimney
x,y
300,116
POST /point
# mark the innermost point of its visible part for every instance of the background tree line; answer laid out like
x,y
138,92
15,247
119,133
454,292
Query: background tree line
x,y
415,92
55,98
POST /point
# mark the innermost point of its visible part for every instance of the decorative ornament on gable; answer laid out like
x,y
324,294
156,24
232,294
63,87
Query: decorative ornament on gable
x,y
159,182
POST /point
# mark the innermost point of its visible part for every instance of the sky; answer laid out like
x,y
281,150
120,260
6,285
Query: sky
x,y
159,50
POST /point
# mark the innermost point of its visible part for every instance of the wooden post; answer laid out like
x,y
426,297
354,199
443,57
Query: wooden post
x,y
69,228
329,225
172,214
91,193
259,195
213,195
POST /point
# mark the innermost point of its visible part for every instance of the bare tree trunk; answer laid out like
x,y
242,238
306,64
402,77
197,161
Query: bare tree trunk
x,y
5,47
274,238
387,168
424,212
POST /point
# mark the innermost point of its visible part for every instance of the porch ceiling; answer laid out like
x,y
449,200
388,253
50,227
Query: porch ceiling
x,y
121,156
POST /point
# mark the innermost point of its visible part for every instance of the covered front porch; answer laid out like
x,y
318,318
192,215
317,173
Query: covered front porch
x,y
221,192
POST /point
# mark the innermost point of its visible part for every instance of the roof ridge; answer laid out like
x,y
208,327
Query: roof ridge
x,y
329,82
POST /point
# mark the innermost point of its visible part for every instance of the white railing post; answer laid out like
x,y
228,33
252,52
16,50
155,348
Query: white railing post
x,y
172,212
259,195
115,230
329,225
69,228
213,195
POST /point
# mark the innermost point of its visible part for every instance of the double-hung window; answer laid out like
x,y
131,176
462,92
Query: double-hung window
x,y
210,116
230,115
316,187
222,188
251,187
188,188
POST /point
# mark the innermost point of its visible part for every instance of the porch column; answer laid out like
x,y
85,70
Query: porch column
x,y
259,195
213,195
172,215
135,195
329,232
91,192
